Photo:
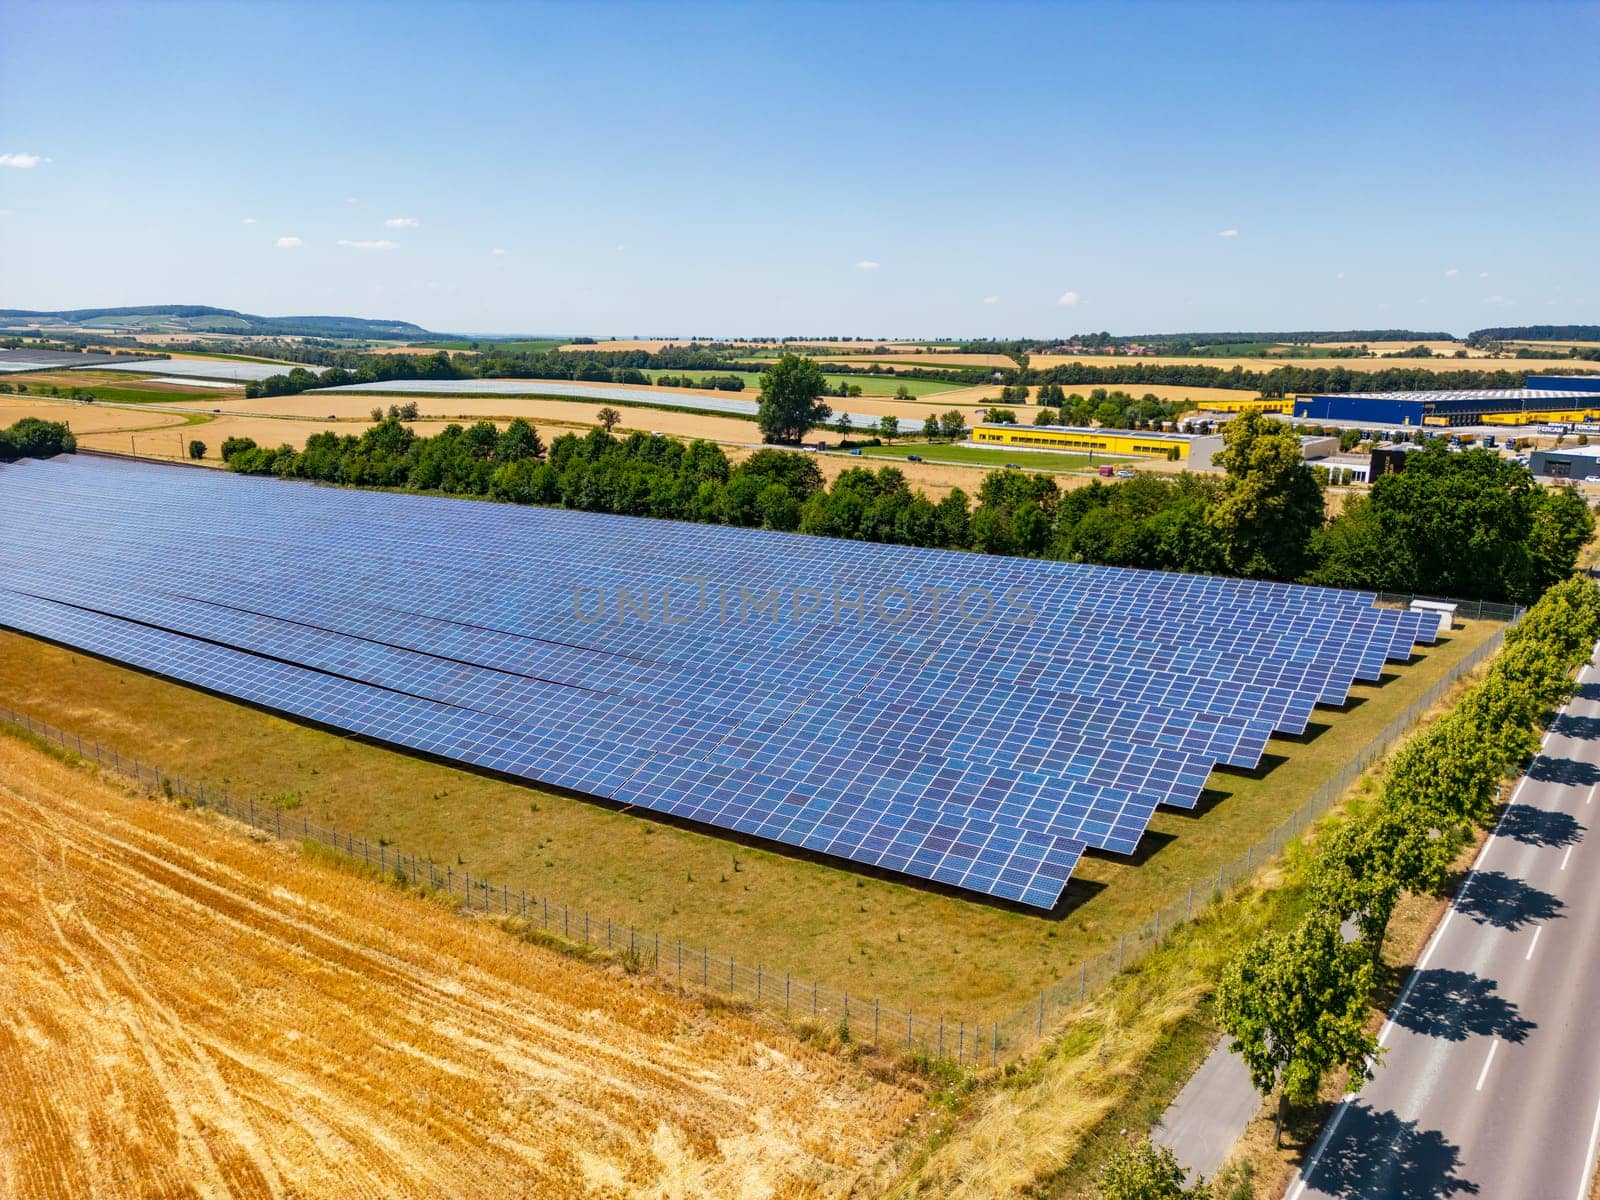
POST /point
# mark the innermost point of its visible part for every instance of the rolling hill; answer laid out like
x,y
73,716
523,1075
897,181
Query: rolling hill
x,y
199,318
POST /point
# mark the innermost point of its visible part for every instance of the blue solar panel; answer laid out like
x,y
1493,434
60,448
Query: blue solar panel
x,y
984,751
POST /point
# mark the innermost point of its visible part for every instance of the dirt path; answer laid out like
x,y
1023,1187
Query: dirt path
x,y
189,1013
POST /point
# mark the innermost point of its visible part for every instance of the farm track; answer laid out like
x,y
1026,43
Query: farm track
x,y
194,1014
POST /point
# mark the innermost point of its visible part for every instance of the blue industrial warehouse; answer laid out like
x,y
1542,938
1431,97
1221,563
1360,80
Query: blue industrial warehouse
x,y
1544,395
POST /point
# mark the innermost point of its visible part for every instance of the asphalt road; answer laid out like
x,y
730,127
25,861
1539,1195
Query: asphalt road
x,y
1490,1086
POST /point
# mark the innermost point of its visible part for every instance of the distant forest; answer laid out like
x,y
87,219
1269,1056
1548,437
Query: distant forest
x,y
1535,333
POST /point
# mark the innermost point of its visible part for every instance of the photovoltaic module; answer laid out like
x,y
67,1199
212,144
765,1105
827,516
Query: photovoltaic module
x,y
974,720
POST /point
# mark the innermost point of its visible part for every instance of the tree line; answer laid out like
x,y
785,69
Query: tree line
x,y
33,438
1460,523
1296,1001
369,368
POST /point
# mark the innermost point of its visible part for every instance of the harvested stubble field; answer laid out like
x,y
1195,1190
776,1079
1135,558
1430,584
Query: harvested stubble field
x,y
85,419
191,1013
1042,362
882,938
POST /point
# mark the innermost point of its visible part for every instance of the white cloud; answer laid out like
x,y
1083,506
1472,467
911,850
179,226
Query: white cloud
x,y
248,221
288,242
1227,233
991,299
402,222
22,161
1452,272
866,264
349,199
498,252
1340,275
1068,299
1483,274
620,247
382,244
1495,300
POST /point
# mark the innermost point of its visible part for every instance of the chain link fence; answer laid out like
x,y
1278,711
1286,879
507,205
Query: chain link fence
x,y
811,1007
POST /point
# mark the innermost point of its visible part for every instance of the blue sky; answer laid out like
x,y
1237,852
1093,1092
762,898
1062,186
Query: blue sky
x,y
879,170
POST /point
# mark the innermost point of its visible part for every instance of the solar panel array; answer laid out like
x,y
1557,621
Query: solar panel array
x,y
972,720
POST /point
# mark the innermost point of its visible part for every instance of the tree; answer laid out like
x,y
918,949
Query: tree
x,y
197,449
609,418
1271,502
1460,523
889,428
1142,1171
844,426
952,424
791,399
1296,1006
931,429
1353,876
1000,416
519,441
903,393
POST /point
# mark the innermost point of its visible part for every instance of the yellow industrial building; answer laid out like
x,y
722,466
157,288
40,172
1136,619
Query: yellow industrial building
x,y
1284,405
1141,443
1547,416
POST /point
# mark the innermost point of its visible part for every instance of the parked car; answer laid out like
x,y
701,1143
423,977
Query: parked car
x,y
1108,472
857,453
1125,473
1013,467
913,458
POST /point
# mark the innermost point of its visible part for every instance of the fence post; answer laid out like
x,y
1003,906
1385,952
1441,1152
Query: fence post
x,y
1083,980
1122,939
874,1022
1040,1029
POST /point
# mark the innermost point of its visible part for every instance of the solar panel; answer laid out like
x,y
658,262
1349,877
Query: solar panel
x,y
759,685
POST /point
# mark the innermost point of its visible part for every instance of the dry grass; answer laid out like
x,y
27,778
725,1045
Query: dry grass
x,y
880,937
191,1013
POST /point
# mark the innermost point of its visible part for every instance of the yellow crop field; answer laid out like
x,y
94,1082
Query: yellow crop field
x,y
191,1013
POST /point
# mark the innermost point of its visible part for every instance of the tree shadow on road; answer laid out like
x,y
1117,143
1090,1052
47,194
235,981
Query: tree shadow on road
x,y
1495,898
1454,1005
1378,1154
1573,726
1540,827
1569,771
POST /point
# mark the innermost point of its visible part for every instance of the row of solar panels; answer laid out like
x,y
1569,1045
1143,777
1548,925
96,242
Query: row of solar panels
x,y
986,754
